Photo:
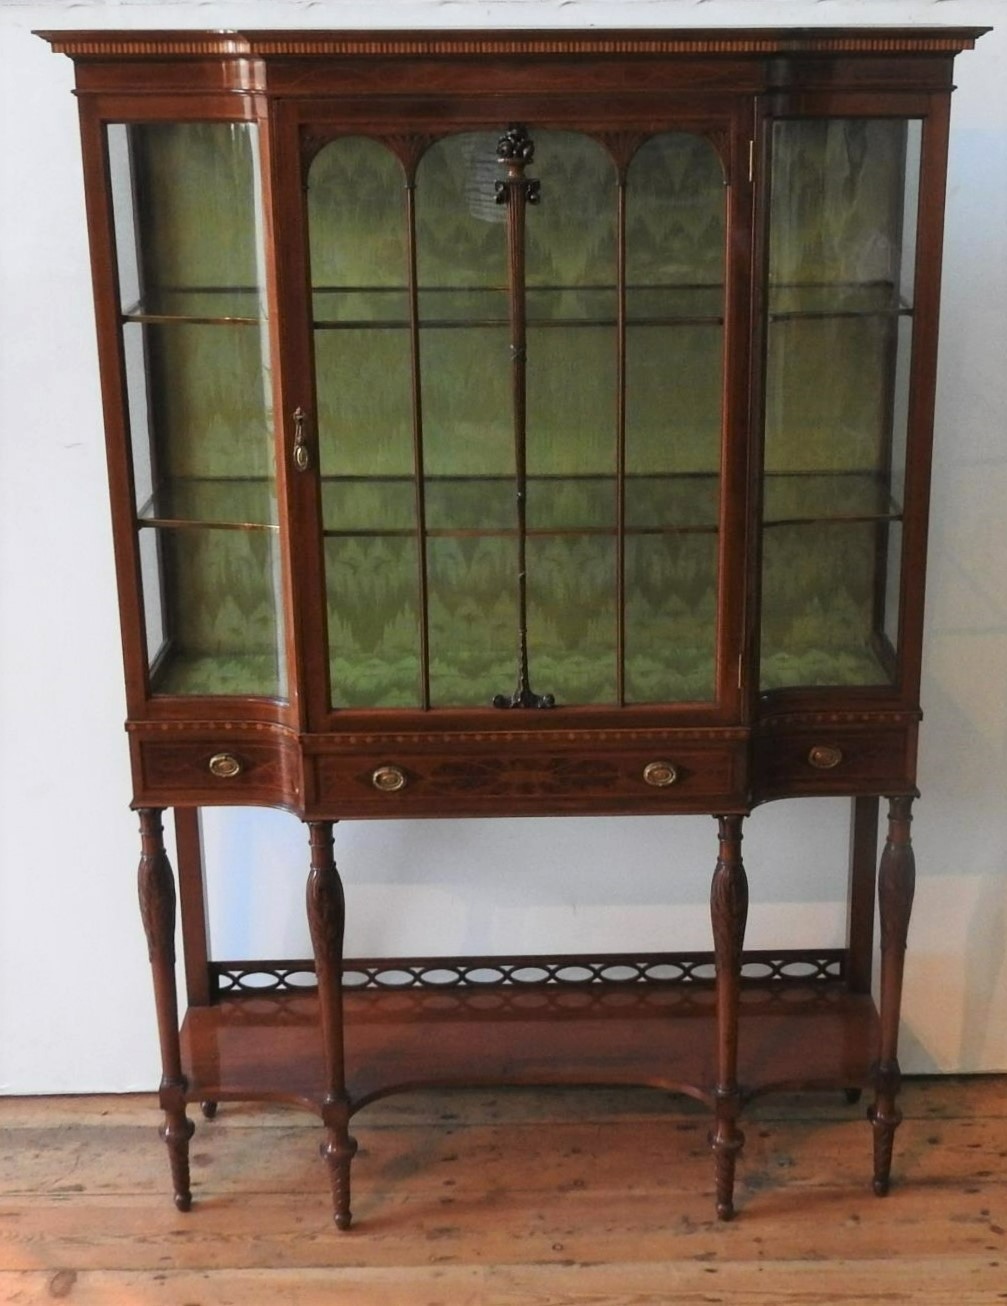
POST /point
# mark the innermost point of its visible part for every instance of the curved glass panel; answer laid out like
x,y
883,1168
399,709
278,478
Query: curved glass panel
x,y
842,246
189,246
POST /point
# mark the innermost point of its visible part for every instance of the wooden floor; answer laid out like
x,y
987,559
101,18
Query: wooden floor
x,y
510,1198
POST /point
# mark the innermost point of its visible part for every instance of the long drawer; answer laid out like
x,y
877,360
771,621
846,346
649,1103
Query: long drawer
x,y
407,781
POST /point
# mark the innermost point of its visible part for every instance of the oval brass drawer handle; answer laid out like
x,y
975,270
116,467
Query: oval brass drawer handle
x,y
225,766
389,779
823,757
660,774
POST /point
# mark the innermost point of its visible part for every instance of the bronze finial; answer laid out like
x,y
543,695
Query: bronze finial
x,y
515,150
516,146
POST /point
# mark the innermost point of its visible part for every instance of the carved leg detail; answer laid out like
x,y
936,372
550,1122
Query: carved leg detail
x,y
338,1151
156,887
326,920
896,885
729,913
209,1110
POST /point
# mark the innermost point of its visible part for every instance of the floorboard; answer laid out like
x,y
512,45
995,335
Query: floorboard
x,y
509,1198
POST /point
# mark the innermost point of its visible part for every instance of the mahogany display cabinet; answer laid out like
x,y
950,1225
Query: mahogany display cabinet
x,y
520,423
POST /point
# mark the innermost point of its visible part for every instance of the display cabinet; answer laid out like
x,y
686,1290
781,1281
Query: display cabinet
x,y
516,423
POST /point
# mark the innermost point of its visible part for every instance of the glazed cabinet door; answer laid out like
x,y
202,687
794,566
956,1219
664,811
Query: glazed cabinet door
x,y
202,522
521,351
844,449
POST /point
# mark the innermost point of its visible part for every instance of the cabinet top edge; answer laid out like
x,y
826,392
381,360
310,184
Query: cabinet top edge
x,y
225,44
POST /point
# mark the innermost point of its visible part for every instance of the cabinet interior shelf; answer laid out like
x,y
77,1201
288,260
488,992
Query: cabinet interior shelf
x,y
464,506
354,307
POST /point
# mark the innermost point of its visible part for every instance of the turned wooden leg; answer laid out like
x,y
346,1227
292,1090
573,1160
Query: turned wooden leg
x,y
326,920
896,884
156,887
729,912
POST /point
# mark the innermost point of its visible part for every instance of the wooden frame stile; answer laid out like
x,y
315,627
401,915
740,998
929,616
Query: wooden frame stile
x,y
736,526
922,390
112,372
720,757
296,393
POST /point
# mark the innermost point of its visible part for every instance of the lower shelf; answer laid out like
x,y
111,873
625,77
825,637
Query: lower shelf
x,y
792,1036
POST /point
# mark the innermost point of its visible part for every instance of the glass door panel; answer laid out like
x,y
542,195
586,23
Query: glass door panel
x,y
195,343
519,395
842,242
572,427
675,275
358,232
468,443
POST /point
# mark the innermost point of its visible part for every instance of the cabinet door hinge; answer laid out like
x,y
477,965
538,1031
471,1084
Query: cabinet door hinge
x,y
741,664
751,160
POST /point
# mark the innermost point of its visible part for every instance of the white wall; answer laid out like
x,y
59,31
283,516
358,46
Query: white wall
x,y
75,1006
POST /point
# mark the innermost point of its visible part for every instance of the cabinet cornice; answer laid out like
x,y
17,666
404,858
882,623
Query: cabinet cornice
x,y
466,44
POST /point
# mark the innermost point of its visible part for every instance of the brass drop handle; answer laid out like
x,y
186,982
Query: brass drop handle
x,y
660,774
302,455
823,757
389,779
225,766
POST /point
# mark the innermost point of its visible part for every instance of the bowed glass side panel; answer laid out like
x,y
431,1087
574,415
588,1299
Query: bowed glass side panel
x,y
844,199
189,252
519,370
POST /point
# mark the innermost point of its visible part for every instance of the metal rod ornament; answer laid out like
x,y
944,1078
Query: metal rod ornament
x,y
515,150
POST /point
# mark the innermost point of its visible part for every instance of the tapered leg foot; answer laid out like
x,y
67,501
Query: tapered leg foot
x,y
727,1141
338,1151
209,1110
176,1132
885,1117
884,1136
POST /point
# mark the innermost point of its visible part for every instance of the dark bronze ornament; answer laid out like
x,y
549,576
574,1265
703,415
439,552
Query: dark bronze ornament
x,y
515,150
516,146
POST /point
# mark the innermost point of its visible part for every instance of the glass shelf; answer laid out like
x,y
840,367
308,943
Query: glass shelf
x,y
474,506
837,299
485,505
795,497
232,503
467,306
657,504
207,305
388,306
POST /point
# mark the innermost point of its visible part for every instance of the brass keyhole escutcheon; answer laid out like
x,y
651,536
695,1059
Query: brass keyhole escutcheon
x,y
823,757
224,766
389,779
660,774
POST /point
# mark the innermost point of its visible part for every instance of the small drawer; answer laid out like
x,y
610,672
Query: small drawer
x,y
481,782
211,771
833,761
